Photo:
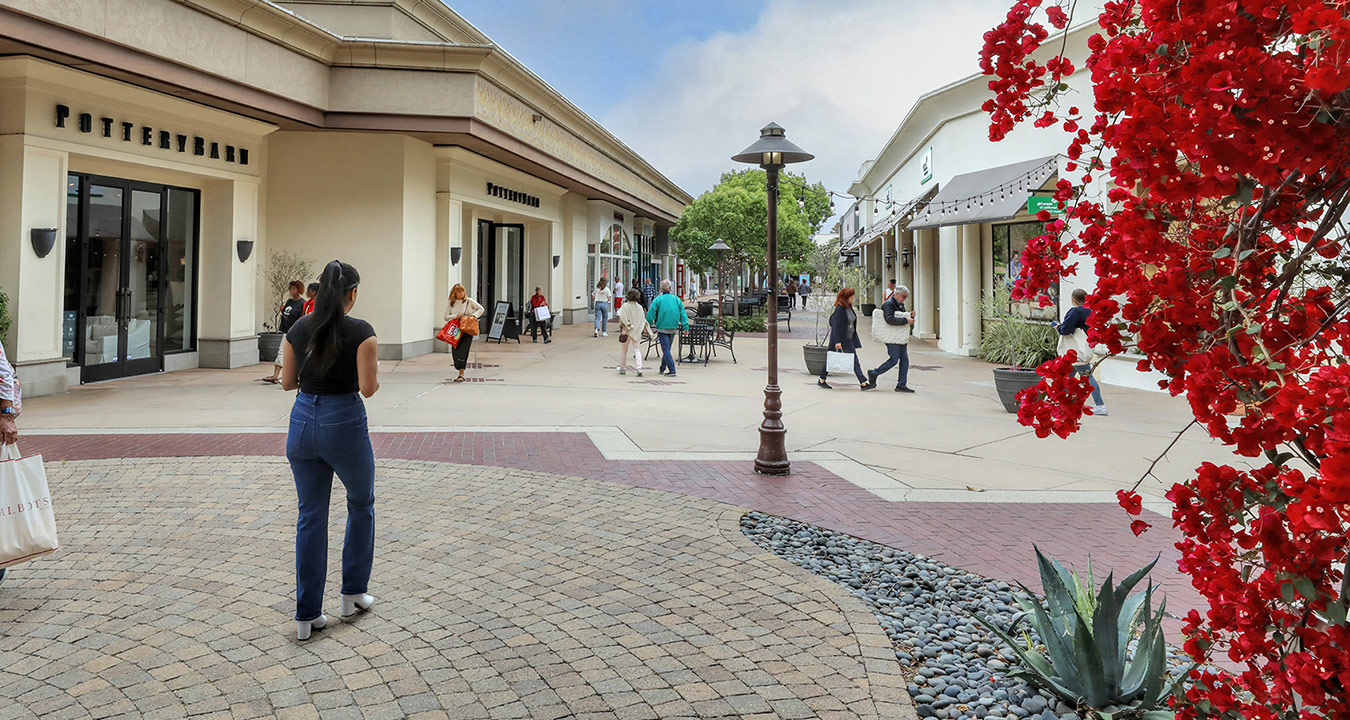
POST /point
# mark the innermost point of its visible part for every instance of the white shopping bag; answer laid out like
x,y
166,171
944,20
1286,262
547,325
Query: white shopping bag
x,y
541,313
27,525
840,362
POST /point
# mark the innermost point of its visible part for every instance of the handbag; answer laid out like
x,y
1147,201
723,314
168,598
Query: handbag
x,y
840,362
889,334
27,524
1077,342
450,333
468,325
541,313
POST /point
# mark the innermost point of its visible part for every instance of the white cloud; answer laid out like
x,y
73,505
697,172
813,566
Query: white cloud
x,y
838,74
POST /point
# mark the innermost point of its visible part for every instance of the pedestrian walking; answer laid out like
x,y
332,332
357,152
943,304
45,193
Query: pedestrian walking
x,y
460,305
844,336
11,404
892,328
889,292
648,293
618,295
1073,336
632,326
331,358
804,289
290,311
602,296
668,317
792,287
537,300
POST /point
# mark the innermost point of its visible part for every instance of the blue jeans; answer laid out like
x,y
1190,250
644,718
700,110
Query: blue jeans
x,y
601,316
328,433
667,355
1086,369
899,355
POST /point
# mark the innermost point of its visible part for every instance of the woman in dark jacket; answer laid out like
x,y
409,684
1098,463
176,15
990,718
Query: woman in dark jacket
x,y
844,336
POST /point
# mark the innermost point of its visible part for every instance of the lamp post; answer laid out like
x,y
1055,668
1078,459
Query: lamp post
x,y
719,248
772,152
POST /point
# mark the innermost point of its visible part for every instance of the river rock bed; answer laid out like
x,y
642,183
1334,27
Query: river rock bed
x,y
958,668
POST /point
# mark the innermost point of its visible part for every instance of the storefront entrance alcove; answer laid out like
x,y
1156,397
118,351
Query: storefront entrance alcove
x,y
501,267
131,275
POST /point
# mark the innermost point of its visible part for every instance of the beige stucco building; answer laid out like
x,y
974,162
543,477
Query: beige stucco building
x,y
153,153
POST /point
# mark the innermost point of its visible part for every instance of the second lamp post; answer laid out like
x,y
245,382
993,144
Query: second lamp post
x,y
772,152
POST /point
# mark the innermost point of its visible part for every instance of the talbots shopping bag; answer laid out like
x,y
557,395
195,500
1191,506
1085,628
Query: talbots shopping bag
x,y
450,333
838,362
27,525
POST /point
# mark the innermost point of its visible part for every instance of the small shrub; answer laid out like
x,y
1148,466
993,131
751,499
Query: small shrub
x,y
1010,339
4,314
746,323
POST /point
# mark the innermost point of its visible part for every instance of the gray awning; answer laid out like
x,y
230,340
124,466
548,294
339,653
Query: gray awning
x,y
898,217
994,194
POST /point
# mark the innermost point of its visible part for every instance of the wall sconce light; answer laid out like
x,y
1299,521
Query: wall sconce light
x,y
244,248
44,239
905,257
890,259
455,253
556,259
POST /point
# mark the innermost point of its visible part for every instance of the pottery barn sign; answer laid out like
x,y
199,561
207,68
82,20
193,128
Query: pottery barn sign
x,y
497,191
151,136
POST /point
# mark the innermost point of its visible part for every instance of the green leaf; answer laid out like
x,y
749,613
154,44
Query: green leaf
x,y
1223,252
1287,591
1228,281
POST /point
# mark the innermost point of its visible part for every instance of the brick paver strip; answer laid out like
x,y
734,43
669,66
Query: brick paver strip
x,y
994,540
501,594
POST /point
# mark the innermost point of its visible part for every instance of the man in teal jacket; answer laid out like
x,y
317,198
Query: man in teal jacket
x,y
667,315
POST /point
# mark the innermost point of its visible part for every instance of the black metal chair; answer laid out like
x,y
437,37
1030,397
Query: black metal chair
x,y
726,339
698,337
785,311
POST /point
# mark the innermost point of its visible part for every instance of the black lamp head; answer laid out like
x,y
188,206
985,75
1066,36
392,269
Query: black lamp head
x,y
719,246
773,149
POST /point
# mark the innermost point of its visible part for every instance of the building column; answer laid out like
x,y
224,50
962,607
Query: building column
x,y
33,195
572,302
555,272
226,337
970,289
925,283
949,288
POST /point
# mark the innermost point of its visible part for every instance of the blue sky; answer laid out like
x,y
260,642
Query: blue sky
x,y
688,83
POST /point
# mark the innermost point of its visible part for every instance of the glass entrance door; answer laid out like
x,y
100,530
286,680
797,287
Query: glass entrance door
x,y
120,282
501,266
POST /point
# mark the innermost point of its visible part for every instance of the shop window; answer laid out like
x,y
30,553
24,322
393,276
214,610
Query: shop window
x,y
180,235
613,261
1010,241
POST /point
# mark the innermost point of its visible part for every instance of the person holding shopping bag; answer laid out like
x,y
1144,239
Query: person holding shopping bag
x,y
539,307
844,338
891,326
11,404
602,296
467,310
1073,336
331,358
632,325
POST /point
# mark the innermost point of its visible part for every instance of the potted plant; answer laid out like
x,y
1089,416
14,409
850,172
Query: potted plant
x,y
1014,342
277,273
813,353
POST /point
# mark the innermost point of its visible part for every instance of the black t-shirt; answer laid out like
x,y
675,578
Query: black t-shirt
x,y
341,378
290,312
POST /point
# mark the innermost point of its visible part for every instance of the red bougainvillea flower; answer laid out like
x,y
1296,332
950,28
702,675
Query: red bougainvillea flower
x,y
1224,131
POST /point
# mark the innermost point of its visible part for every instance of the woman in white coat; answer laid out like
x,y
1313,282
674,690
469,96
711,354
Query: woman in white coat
x,y
460,305
632,324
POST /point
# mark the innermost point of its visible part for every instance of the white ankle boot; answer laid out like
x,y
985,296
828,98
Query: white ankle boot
x,y
352,603
303,627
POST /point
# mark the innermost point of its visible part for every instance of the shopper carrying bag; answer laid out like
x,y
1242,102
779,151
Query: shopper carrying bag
x,y
27,523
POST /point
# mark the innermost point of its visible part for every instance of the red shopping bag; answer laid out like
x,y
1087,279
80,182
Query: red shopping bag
x,y
450,333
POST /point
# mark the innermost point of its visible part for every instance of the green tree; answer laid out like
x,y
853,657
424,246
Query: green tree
x,y
736,210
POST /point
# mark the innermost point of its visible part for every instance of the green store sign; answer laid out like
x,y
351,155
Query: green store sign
x,y
1037,203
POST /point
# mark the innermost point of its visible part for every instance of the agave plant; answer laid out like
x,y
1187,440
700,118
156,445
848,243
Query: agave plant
x,y
1086,661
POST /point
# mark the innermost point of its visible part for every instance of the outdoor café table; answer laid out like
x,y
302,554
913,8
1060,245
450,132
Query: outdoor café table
x,y
698,338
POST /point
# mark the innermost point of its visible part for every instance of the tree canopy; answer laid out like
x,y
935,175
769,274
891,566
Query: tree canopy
x,y
736,210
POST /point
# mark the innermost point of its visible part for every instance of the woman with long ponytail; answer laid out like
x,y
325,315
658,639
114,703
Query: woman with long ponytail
x,y
332,358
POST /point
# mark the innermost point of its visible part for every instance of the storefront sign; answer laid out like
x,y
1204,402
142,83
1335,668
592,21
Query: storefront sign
x,y
516,196
151,137
1037,203
926,166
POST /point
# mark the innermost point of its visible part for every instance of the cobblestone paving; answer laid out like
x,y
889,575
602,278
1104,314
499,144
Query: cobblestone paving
x,y
501,594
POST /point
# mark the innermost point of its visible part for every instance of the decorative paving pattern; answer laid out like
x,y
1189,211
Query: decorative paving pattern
x,y
501,594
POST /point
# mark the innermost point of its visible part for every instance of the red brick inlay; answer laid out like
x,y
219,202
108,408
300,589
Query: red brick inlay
x,y
991,539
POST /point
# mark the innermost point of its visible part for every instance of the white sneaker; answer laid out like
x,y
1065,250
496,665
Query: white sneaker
x,y
1100,410
606,333
639,373
595,334
352,603
303,627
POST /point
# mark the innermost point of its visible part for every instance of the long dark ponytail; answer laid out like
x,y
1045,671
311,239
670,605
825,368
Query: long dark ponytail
x,y
336,280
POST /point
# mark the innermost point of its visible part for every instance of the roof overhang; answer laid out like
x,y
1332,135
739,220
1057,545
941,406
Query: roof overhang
x,y
998,193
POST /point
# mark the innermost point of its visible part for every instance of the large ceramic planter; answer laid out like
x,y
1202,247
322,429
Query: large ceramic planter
x,y
1010,381
815,359
269,344
868,309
